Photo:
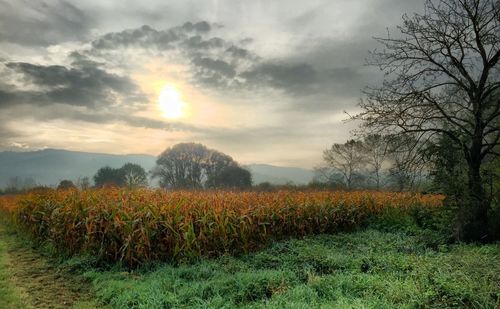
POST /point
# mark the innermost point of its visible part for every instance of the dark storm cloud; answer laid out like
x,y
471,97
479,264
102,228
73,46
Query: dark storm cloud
x,y
84,84
43,23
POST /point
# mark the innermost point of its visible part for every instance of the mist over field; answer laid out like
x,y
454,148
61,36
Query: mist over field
x,y
48,167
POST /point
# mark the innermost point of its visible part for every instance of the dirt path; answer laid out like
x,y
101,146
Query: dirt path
x,y
38,283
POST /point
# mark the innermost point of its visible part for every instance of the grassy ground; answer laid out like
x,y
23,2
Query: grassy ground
x,y
30,280
366,269
10,297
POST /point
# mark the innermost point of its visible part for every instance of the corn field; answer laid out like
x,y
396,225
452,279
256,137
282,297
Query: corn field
x,y
138,226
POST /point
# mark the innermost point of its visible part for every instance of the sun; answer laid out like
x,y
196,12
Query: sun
x,y
170,101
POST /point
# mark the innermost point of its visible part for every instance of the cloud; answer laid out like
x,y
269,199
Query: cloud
x,y
112,115
294,78
6,133
310,81
278,74
214,62
238,52
83,84
224,65
216,66
188,34
7,98
32,23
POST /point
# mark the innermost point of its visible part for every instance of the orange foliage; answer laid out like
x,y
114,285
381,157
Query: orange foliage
x,y
136,226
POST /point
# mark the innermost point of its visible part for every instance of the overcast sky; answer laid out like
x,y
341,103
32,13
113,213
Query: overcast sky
x,y
263,81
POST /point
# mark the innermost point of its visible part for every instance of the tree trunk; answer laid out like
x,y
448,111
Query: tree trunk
x,y
475,212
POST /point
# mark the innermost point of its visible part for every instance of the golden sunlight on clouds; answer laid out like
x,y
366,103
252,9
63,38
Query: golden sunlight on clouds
x,y
171,103
172,97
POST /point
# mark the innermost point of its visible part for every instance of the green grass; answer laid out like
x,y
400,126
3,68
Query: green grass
x,y
10,297
30,279
395,265
366,269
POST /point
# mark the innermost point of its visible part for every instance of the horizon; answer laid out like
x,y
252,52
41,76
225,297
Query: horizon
x,y
49,167
142,154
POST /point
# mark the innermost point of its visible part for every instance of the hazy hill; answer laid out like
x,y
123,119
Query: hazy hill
x,y
49,166
279,174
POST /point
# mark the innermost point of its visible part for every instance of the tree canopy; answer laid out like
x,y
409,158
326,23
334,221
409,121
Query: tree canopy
x,y
134,175
194,166
131,175
443,78
231,177
66,184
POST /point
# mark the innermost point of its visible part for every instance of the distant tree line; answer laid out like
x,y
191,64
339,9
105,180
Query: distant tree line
x,y
182,166
374,162
19,184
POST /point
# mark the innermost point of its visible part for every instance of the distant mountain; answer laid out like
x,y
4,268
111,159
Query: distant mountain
x,y
49,166
279,174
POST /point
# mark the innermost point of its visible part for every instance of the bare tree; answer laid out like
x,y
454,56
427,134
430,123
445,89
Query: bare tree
x,y
189,165
181,166
324,174
215,162
83,183
17,183
407,165
376,151
347,159
443,77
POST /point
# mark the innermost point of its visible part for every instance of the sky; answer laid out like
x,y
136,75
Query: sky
x,y
263,81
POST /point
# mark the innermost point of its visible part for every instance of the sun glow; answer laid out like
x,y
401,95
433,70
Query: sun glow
x,y
170,101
